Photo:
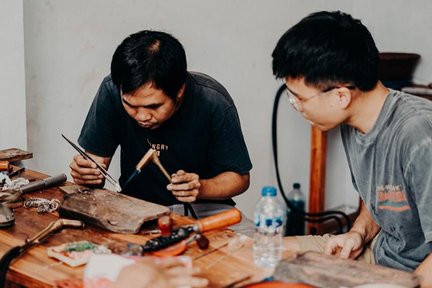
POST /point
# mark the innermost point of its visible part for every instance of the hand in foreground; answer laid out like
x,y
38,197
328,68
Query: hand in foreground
x,y
348,245
159,272
184,186
84,171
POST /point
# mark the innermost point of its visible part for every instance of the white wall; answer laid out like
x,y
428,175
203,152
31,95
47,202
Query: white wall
x,y
13,132
401,26
69,44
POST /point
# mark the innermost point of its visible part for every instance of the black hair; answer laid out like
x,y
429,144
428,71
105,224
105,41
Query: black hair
x,y
149,56
327,48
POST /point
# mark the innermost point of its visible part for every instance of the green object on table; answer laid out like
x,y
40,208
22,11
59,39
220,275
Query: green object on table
x,y
80,246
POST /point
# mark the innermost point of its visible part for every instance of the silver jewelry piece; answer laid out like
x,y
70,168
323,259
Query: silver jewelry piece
x,y
42,205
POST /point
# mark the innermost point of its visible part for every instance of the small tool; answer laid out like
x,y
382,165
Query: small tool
x,y
151,155
180,247
99,167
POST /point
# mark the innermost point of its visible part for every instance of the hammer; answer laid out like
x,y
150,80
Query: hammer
x,y
151,156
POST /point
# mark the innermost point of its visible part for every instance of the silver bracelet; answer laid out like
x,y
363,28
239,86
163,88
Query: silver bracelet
x,y
42,205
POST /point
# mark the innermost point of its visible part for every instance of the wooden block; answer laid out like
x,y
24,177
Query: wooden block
x,y
110,210
330,271
15,154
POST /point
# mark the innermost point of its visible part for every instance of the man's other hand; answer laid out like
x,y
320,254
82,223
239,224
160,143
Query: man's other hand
x,y
185,186
348,245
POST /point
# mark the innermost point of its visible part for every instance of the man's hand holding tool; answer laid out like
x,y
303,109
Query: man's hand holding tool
x,y
85,172
87,169
182,193
185,186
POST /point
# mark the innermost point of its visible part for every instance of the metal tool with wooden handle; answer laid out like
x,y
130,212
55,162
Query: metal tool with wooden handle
x,y
217,221
52,227
148,156
151,156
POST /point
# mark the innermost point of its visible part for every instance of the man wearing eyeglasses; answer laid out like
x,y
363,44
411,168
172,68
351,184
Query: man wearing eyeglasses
x,y
329,62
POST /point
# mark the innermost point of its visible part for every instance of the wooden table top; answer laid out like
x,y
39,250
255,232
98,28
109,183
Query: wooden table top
x,y
222,266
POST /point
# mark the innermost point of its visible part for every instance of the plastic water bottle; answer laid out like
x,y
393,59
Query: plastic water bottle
x,y
295,224
269,219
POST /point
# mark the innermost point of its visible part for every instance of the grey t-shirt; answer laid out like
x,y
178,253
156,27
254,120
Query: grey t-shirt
x,y
391,170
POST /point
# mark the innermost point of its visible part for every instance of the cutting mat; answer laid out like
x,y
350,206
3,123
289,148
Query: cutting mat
x,y
109,210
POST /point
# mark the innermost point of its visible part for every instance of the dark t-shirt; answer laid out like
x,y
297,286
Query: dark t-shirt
x,y
202,137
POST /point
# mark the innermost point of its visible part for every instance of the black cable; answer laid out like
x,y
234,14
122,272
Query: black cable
x,y
6,260
188,208
320,217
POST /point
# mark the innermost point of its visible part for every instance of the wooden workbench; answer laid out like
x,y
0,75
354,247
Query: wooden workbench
x,y
35,269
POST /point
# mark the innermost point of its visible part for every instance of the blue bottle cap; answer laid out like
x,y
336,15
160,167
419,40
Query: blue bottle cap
x,y
296,185
268,191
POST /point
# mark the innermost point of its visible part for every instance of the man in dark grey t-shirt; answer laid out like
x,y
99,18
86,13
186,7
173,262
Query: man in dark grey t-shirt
x,y
329,62
150,100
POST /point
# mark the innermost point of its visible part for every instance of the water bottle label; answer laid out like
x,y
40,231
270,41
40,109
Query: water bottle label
x,y
271,225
